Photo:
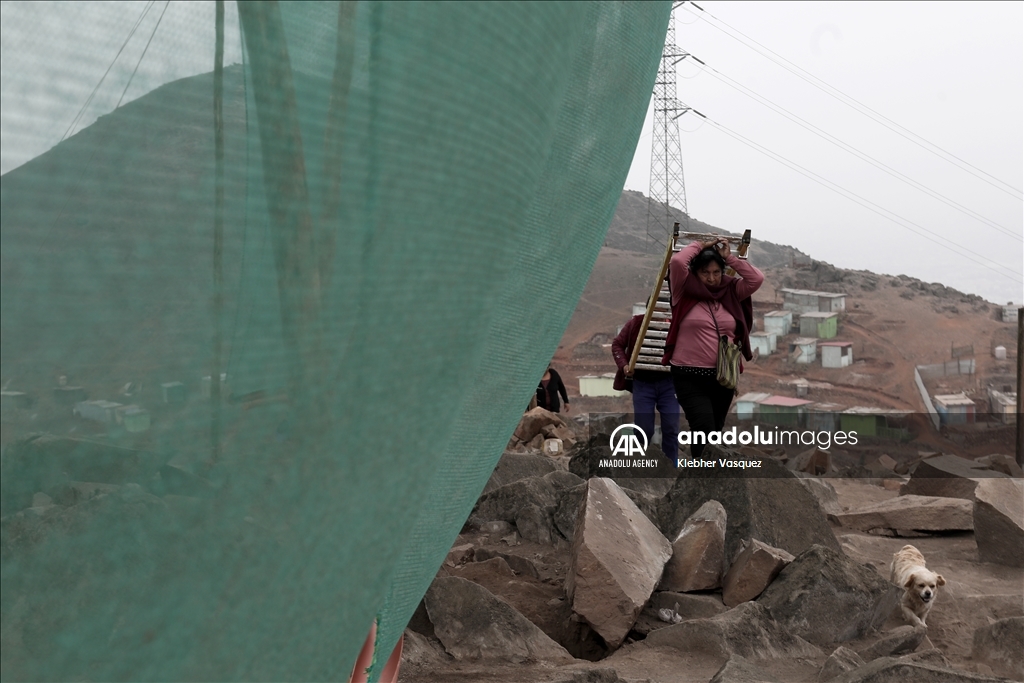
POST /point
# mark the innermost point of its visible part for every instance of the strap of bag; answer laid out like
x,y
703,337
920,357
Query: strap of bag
x,y
718,334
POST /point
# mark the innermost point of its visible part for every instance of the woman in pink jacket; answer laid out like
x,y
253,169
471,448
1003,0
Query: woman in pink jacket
x,y
707,303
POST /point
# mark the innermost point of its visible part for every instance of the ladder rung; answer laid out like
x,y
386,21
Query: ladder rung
x,y
648,366
660,316
654,334
652,344
658,325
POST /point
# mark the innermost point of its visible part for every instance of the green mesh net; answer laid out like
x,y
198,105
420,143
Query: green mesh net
x,y
378,264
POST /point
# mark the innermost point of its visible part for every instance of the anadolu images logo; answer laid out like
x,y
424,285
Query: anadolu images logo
x,y
628,444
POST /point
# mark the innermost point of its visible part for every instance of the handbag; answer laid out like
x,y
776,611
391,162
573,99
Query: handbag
x,y
727,371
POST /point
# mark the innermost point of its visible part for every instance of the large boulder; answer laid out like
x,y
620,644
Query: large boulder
x,y
515,466
564,518
906,670
752,571
474,624
947,476
698,553
1001,646
741,670
769,504
998,516
824,493
748,631
616,561
841,660
899,641
827,598
505,502
533,423
907,515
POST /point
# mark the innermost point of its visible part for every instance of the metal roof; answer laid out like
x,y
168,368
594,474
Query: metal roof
x,y
785,401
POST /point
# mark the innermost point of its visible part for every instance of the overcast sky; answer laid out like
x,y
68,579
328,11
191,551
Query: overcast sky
x,y
949,72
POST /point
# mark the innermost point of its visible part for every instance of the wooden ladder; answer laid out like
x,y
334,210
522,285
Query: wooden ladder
x,y
647,354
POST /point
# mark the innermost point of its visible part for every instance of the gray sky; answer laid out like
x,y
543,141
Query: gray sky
x,y
949,72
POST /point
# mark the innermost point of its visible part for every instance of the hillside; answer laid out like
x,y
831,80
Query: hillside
x,y
894,323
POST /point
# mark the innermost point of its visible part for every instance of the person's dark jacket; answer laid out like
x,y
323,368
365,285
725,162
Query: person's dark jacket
x,y
549,399
622,349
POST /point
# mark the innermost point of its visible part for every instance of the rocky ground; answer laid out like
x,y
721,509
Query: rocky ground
x,y
560,575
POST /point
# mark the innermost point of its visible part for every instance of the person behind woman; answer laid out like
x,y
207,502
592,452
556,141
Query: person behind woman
x,y
548,389
707,303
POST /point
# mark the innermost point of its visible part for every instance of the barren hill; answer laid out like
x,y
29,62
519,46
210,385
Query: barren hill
x,y
894,323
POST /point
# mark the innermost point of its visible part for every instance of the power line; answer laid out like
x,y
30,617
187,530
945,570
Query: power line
x,y
859,154
88,100
866,203
144,51
865,110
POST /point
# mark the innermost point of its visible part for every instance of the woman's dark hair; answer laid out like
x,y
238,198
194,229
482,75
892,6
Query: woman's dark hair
x,y
704,258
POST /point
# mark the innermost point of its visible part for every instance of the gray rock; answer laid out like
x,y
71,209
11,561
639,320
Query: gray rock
x,y
698,553
459,554
908,514
519,564
474,624
998,516
772,506
533,422
841,660
688,606
905,670
747,631
504,503
602,675
1001,646
562,480
752,572
568,508
827,598
947,476
616,561
1001,462
41,500
534,524
421,650
741,670
824,493
899,641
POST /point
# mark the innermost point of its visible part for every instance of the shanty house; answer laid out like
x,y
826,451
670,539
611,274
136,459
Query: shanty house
x,y
779,322
836,354
1003,405
599,385
823,416
747,404
803,350
820,325
174,392
871,421
954,408
133,418
763,342
100,411
809,301
782,410
1010,312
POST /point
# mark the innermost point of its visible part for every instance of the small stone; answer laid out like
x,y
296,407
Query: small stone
x,y
754,569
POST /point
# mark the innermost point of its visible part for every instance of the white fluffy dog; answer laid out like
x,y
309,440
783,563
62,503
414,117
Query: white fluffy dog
x,y
920,584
